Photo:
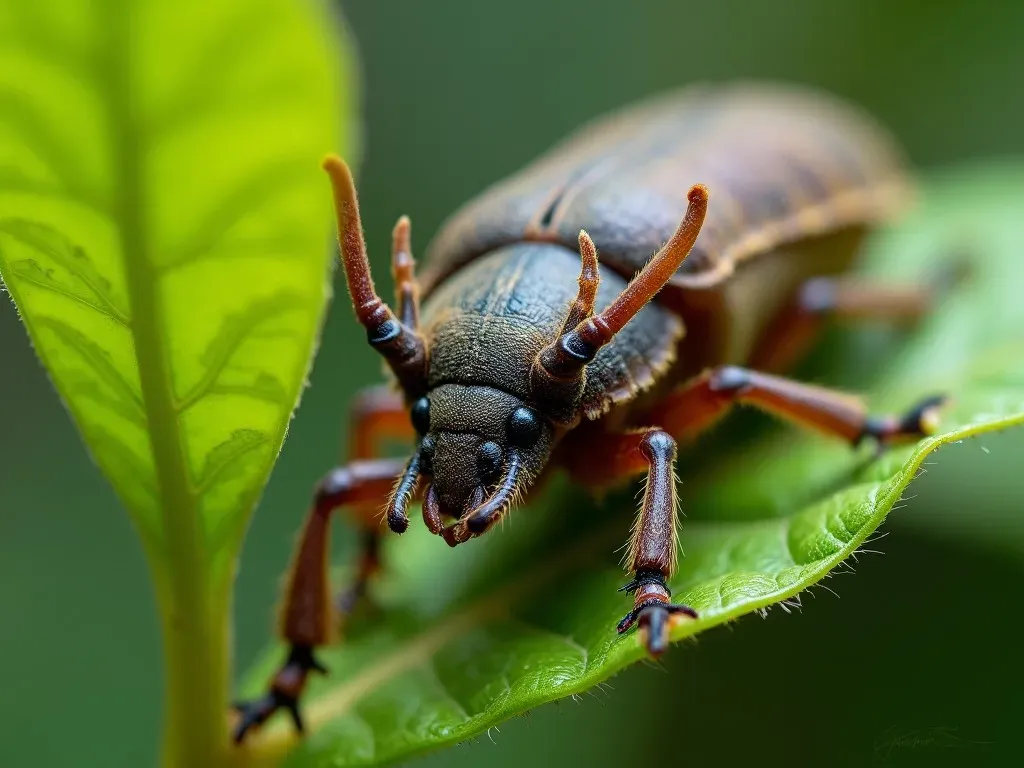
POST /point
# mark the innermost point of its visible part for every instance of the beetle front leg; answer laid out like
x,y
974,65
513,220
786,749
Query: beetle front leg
x,y
308,617
378,414
653,548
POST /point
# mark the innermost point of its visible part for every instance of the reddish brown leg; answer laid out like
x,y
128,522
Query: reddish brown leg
x,y
610,458
696,406
653,547
846,298
308,618
377,415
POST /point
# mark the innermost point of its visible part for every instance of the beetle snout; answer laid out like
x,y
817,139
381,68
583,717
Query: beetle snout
x,y
460,466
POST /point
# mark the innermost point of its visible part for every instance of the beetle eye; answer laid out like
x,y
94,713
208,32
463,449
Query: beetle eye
x,y
523,427
488,460
420,415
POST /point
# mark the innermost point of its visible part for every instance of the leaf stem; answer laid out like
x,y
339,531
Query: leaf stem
x,y
193,602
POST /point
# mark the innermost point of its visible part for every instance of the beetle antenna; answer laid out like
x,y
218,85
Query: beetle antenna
x,y
582,306
401,347
403,269
565,358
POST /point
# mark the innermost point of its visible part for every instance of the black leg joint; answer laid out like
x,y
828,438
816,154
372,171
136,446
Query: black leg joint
x,y
916,422
301,657
875,428
650,608
283,694
644,577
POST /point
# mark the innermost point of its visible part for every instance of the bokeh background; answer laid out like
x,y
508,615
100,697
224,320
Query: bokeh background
x,y
917,662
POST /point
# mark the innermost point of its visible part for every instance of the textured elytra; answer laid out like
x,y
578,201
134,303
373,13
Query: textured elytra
x,y
781,163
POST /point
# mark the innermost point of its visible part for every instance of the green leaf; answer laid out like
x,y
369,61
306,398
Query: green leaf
x,y
526,615
163,232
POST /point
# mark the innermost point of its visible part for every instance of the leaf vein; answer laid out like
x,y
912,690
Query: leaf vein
x,y
95,357
107,306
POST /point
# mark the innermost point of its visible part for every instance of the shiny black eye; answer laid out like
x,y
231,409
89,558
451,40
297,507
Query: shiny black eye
x,y
488,460
523,427
420,415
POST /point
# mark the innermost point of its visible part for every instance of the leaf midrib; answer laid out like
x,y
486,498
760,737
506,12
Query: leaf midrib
x,y
181,527
193,632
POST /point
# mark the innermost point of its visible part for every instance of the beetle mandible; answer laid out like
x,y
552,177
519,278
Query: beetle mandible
x,y
519,351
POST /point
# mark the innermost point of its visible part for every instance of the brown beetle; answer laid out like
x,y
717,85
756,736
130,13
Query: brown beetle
x,y
522,360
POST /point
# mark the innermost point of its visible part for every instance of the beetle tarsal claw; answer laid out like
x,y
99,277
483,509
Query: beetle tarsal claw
x,y
284,692
920,420
655,619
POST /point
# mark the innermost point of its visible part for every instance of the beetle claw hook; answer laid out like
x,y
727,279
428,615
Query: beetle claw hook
x,y
655,619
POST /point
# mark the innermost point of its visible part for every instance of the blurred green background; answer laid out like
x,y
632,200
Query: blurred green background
x,y
924,641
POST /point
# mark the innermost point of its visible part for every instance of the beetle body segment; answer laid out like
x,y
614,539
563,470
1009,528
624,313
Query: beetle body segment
x,y
783,164
488,322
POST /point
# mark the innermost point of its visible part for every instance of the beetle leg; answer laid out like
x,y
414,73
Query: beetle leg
x,y
697,405
653,546
377,414
402,348
847,297
308,618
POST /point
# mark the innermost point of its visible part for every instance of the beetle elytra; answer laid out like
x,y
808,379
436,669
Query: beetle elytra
x,y
542,335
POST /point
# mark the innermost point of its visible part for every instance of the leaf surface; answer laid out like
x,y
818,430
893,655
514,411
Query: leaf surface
x,y
163,233
470,637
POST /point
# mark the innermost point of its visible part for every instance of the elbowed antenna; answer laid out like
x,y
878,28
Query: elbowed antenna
x,y
564,359
395,339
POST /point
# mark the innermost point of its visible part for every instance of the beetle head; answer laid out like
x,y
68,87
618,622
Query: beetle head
x,y
479,449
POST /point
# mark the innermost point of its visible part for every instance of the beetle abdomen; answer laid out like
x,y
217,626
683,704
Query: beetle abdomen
x,y
487,323
782,164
